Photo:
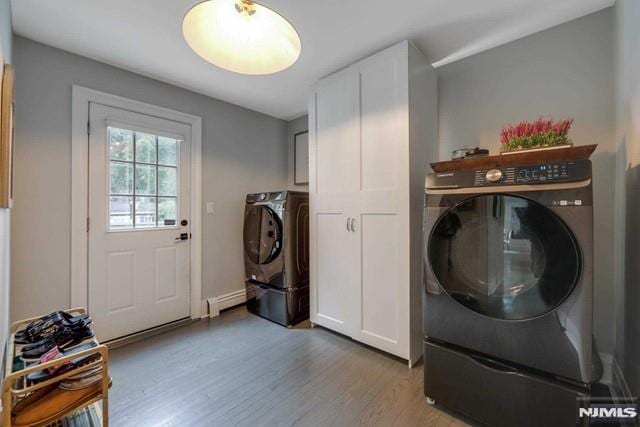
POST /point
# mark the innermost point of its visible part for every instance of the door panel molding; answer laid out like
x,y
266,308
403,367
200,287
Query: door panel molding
x,y
82,97
117,272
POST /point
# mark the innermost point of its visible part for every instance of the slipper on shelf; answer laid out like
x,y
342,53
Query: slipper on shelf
x,y
53,330
65,338
42,327
45,374
42,322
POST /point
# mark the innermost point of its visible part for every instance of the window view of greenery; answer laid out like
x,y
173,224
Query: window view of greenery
x,y
143,177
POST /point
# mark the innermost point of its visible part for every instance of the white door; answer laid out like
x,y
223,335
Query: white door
x,y
139,221
333,179
382,225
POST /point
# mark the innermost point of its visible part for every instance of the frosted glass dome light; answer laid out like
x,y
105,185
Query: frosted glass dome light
x,y
241,36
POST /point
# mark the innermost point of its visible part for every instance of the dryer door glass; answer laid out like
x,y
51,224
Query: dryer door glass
x,y
262,234
504,256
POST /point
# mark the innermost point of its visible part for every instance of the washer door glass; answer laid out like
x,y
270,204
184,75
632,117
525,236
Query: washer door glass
x,y
504,256
262,234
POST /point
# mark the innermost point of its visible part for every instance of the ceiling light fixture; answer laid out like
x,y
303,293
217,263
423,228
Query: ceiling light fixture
x,y
241,36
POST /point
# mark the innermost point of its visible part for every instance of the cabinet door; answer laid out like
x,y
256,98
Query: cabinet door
x,y
382,225
332,284
333,181
334,167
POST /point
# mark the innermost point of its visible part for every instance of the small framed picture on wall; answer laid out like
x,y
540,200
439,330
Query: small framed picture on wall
x,y
301,158
7,110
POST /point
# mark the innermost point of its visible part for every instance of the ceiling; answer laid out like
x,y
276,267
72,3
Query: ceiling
x,y
145,36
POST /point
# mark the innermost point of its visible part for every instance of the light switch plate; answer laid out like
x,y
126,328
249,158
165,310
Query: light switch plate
x,y
209,207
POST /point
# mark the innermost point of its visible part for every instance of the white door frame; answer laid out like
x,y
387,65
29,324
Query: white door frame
x,y
81,97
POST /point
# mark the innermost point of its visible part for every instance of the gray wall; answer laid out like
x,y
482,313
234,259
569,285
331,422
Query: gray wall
x,y
5,57
627,136
294,126
6,32
243,151
565,71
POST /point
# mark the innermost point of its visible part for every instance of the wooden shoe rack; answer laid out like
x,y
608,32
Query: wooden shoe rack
x,y
16,388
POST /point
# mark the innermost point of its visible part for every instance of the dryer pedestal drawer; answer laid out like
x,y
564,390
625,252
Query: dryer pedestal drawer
x,y
284,306
494,393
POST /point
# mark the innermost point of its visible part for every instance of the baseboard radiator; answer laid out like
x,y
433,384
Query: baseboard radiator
x,y
214,305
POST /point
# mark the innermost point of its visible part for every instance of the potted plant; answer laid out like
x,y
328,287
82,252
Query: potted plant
x,y
539,134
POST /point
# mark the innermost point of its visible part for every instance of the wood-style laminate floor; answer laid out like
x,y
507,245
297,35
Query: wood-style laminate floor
x,y
241,370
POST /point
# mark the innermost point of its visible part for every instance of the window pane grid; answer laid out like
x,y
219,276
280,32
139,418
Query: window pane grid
x,y
135,152
150,206
141,195
128,162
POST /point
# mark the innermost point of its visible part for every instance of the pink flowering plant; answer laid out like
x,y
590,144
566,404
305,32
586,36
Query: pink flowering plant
x,y
537,134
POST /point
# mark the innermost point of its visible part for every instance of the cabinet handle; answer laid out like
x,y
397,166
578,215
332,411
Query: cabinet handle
x,y
353,220
348,229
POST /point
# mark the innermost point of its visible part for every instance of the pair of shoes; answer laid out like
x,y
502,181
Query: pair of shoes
x,y
62,336
83,379
55,353
45,326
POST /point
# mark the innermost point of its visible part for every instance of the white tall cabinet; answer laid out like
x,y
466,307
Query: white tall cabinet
x,y
372,132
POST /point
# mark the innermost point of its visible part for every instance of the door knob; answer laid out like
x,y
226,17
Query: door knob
x,y
183,236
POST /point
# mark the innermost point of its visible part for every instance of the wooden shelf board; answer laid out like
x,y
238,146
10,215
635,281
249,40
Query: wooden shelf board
x,y
577,152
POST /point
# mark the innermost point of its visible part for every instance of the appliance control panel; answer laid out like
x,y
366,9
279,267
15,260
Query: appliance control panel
x,y
267,197
543,173
530,174
540,173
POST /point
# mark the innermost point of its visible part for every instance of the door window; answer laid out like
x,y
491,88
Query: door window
x,y
504,256
143,180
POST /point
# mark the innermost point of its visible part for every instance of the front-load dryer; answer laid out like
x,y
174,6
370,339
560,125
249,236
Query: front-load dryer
x,y
508,279
276,255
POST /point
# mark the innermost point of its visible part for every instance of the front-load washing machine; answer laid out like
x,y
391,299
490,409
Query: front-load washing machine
x,y
508,280
276,255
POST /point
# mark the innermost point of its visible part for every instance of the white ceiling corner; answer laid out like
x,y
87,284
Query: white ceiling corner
x,y
145,36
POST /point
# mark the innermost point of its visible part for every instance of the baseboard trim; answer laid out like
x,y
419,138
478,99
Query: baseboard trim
x,y
222,302
619,386
620,389
607,363
232,299
148,333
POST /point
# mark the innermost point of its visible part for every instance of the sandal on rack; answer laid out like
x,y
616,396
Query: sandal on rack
x,y
53,331
45,374
36,329
64,338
